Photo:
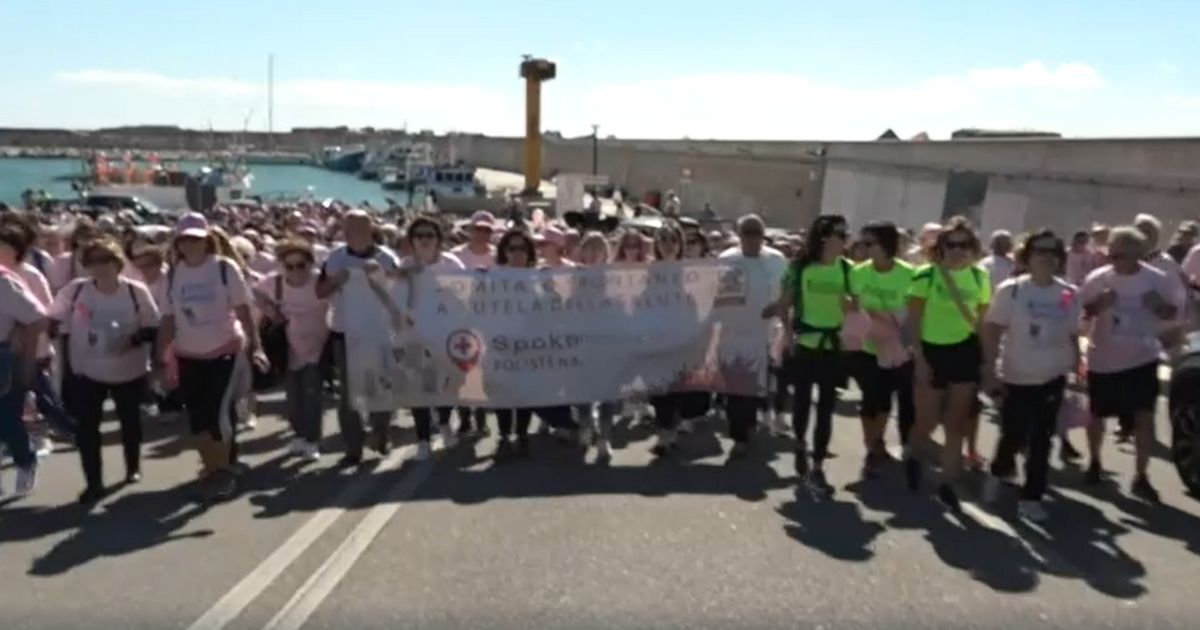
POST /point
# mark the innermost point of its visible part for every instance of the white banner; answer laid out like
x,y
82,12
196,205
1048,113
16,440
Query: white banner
x,y
531,338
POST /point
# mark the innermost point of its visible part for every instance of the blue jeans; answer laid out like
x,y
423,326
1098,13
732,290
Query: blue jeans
x,y
49,405
12,427
305,402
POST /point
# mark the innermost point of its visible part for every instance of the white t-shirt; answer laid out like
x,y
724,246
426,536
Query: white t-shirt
x,y
1191,265
263,263
1041,324
63,269
100,327
999,269
471,260
17,304
766,273
204,306
1125,336
306,315
342,258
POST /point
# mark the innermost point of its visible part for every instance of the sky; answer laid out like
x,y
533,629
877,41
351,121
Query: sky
x,y
752,69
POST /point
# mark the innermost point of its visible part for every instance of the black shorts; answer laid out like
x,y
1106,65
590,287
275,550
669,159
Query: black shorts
x,y
954,364
878,384
1124,393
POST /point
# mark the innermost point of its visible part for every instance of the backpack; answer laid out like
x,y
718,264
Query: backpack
x,y
829,336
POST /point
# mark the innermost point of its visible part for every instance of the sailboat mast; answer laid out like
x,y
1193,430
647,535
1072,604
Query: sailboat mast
x,y
271,101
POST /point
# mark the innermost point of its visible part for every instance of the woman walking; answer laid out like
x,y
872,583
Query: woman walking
x,y
1035,318
109,323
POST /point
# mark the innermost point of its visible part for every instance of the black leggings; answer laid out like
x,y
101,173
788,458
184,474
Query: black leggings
x,y
504,420
206,387
87,405
423,418
666,411
1029,418
823,369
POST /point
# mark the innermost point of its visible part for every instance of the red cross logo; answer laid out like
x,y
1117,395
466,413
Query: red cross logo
x,y
463,347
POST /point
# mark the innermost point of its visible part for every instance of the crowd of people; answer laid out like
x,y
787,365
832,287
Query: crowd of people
x,y
192,320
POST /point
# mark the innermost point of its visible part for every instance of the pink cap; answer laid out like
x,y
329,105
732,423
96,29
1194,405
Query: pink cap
x,y
552,235
192,225
483,218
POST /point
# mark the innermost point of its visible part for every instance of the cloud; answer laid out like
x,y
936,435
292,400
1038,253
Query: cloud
x,y
703,105
1036,74
1167,68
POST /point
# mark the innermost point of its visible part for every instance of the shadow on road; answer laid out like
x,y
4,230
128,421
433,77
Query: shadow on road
x,y
833,527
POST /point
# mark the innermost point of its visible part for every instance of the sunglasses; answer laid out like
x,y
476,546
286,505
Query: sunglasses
x,y
422,236
964,245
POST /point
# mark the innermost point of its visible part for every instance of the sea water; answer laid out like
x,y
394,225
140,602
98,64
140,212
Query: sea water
x,y
270,181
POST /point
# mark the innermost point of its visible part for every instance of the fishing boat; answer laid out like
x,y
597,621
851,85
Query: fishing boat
x,y
166,186
452,187
344,159
394,178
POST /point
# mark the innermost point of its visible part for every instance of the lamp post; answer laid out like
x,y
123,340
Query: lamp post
x,y
595,149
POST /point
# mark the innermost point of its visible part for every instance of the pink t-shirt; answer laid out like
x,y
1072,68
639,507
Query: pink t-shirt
x,y
62,271
471,260
17,304
39,288
100,326
204,306
1125,336
307,317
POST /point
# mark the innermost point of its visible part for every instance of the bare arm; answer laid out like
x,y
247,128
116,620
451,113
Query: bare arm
x,y
166,335
991,333
243,315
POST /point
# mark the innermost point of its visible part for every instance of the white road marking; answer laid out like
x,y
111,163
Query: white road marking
x,y
305,601
230,605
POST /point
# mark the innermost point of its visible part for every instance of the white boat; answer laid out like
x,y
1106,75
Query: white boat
x,y
167,187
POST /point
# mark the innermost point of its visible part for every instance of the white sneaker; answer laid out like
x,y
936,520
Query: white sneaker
x,y
686,426
312,452
778,425
1032,511
249,424
45,446
26,480
991,489
424,451
603,449
297,447
449,439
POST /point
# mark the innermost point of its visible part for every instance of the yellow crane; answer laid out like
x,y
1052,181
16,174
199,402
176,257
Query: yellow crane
x,y
535,72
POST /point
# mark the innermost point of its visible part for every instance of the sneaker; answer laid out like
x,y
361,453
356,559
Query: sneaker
x,y
871,466
382,444
801,463
424,451
222,485
133,477
1032,511
686,426
91,496
664,444
603,450
912,473
297,447
991,489
1094,476
817,480
777,425
1124,437
249,424
449,439
740,450
312,452
44,447
26,480
1142,489
948,497
1068,453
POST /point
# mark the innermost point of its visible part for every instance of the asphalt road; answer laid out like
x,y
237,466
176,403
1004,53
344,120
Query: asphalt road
x,y
556,541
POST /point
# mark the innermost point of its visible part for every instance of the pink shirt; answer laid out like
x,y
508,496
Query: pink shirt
x,y
100,326
17,304
307,317
1126,335
39,288
204,306
471,260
